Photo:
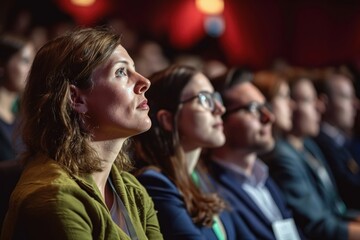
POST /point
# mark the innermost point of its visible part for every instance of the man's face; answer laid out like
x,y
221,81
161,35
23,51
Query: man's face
x,y
306,116
248,129
341,103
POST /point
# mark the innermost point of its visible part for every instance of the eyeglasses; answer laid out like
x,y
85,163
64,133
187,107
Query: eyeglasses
x,y
206,99
259,110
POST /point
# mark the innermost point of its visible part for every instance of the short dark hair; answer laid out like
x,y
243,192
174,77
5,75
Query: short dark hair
x,y
232,77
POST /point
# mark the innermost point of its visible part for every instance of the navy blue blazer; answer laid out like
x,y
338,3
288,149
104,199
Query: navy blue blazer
x,y
316,207
243,205
345,168
7,152
175,222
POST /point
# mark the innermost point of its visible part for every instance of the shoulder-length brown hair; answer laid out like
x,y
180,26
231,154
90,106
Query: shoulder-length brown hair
x,y
161,149
50,126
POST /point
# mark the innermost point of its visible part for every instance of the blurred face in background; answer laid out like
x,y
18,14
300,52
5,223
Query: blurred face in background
x,y
341,105
17,68
282,108
306,115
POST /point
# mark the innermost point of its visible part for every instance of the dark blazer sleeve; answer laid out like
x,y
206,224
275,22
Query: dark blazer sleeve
x,y
299,188
344,168
7,152
244,209
175,222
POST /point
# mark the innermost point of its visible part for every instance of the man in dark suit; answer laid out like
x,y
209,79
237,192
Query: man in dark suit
x,y
244,178
337,93
299,168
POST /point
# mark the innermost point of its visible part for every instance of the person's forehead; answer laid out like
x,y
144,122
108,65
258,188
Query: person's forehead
x,y
120,54
304,87
244,93
341,82
198,82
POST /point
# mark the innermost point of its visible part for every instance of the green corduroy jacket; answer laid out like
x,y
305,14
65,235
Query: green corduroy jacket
x,y
48,203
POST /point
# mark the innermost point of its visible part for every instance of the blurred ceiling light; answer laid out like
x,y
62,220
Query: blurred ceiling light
x,y
210,6
83,3
214,26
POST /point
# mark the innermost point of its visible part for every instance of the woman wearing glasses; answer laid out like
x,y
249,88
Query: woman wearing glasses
x,y
186,117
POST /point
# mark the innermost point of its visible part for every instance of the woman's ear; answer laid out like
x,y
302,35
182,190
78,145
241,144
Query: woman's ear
x,y
77,100
165,118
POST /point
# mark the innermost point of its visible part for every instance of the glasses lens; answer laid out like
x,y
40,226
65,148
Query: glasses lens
x,y
206,100
217,97
254,107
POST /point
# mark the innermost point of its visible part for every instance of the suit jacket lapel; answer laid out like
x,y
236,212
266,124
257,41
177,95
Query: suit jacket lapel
x,y
234,187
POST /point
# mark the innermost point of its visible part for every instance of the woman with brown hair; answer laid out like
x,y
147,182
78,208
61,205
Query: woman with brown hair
x,y
82,101
186,116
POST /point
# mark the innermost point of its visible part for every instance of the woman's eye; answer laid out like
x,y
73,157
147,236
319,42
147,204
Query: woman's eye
x,y
121,72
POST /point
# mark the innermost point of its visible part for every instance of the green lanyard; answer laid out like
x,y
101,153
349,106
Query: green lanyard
x,y
218,230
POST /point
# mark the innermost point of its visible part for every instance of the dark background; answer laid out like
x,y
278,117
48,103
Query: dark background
x,y
309,33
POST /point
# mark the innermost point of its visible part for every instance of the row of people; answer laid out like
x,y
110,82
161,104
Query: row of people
x,y
199,173
301,171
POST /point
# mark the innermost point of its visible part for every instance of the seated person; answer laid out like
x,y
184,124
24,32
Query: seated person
x,y
299,168
16,56
186,116
82,102
337,94
236,165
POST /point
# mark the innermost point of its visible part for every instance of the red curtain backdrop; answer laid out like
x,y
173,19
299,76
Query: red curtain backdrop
x,y
303,32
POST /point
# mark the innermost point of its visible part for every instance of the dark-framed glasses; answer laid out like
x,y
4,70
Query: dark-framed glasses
x,y
259,110
206,99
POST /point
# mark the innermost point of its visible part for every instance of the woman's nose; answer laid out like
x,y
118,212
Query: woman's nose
x,y
219,108
142,84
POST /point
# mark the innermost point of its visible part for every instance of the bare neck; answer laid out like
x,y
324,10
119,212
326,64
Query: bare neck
x,y
107,151
192,158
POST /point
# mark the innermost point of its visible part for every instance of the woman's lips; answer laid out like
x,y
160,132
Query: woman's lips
x,y
143,105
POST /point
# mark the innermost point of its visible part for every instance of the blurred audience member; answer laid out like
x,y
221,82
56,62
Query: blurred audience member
x,y
191,60
16,56
337,94
213,68
130,38
150,58
299,168
39,36
276,90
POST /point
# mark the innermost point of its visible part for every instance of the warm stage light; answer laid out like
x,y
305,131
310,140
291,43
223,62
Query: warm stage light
x,y
83,3
210,6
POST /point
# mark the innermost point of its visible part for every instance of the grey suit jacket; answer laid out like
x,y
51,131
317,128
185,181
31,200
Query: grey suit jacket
x,y
316,206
